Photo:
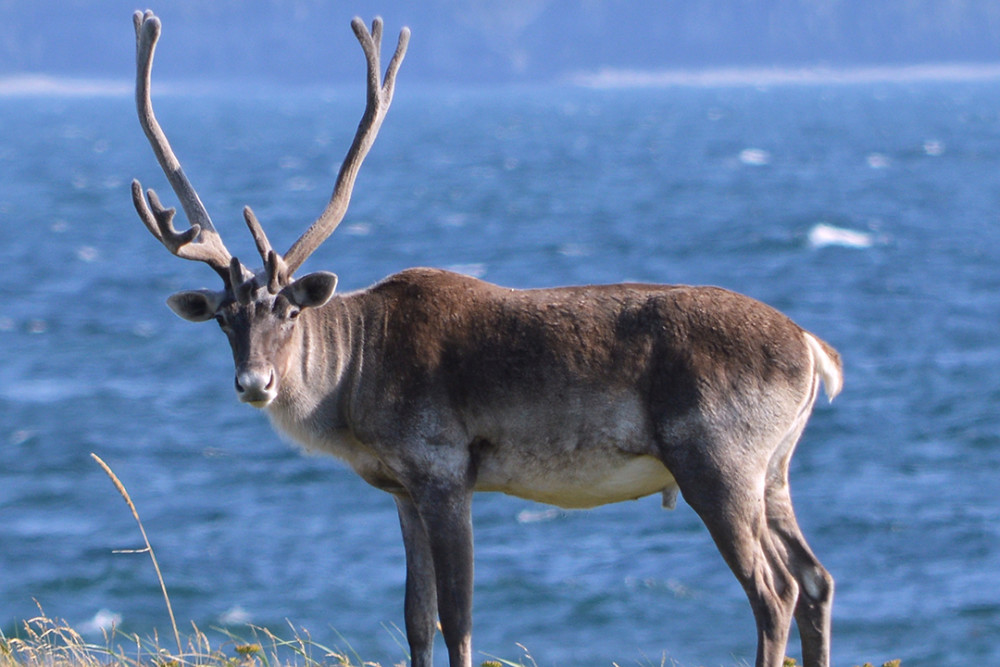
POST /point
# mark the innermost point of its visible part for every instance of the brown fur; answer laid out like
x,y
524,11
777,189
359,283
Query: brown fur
x,y
575,396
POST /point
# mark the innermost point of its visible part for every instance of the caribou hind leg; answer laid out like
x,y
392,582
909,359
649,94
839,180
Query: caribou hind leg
x,y
814,606
815,585
727,493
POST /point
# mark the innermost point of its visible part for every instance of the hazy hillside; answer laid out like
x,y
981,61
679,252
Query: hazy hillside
x,y
494,40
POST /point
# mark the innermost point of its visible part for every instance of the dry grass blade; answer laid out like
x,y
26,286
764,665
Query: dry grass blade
x,y
47,643
152,555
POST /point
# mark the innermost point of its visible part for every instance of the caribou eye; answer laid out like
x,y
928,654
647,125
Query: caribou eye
x,y
285,309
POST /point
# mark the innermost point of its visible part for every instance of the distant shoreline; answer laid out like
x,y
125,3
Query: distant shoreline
x,y
30,85
41,85
773,76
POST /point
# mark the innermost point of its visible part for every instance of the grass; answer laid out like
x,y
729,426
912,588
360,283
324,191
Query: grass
x,y
48,642
149,549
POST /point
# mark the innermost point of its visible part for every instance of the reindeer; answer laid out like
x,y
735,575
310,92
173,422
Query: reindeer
x,y
432,385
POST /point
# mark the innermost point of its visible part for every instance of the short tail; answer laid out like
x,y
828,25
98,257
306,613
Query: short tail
x,y
826,362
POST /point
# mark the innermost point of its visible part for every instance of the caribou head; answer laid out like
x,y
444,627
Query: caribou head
x,y
258,310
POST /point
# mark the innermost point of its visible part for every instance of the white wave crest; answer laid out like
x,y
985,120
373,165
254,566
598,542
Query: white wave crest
x,y
823,235
104,620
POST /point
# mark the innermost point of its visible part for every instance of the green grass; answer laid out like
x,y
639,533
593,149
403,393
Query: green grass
x,y
48,642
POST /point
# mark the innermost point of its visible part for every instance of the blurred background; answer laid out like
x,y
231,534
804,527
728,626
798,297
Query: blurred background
x,y
838,160
490,41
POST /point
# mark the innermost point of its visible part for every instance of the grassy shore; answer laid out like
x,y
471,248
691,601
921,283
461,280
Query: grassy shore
x,y
47,642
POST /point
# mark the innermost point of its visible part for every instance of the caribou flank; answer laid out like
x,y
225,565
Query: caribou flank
x,y
433,385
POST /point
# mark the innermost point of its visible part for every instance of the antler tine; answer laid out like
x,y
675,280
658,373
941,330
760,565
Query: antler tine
x,y
159,222
201,242
257,232
379,97
274,264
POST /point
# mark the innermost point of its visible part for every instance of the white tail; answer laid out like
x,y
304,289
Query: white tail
x,y
828,365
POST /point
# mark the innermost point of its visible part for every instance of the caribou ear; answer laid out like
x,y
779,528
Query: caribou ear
x,y
312,290
195,305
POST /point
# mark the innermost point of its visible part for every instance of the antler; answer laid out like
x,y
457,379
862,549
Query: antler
x,y
201,241
378,100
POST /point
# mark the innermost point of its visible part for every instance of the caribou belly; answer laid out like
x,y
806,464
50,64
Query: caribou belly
x,y
580,481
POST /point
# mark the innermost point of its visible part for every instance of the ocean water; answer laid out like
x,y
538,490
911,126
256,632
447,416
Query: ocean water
x,y
869,212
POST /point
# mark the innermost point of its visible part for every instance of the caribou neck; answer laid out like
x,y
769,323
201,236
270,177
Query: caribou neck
x,y
321,379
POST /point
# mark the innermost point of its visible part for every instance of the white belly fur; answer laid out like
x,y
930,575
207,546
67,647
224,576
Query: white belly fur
x,y
578,485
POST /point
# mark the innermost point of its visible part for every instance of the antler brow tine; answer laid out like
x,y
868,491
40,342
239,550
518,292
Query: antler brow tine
x,y
378,99
201,242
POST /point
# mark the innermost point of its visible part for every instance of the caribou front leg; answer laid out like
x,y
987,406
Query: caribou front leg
x,y
420,608
446,512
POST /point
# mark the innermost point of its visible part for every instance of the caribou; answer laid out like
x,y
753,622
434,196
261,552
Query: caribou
x,y
432,385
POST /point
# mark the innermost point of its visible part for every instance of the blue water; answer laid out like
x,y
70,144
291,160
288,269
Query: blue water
x,y
895,483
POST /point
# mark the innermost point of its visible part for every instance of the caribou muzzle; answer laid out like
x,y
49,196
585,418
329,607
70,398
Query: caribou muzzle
x,y
256,385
